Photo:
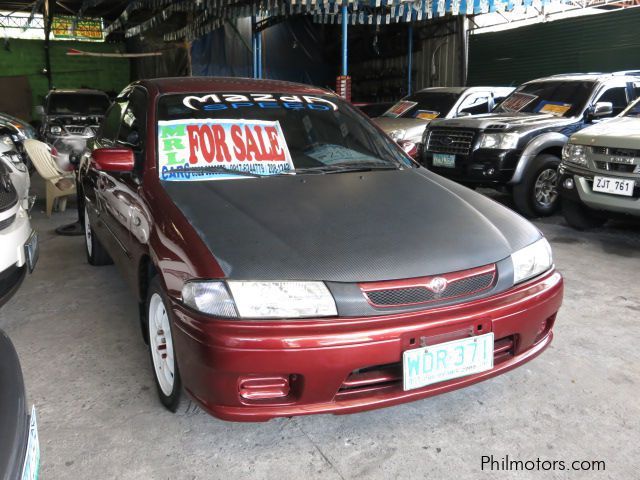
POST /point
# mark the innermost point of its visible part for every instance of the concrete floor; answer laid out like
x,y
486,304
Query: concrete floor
x,y
88,373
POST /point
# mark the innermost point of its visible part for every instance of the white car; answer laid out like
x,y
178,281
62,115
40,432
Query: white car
x,y
18,240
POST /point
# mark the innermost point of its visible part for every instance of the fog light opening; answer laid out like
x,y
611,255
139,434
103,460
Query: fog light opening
x,y
568,183
264,388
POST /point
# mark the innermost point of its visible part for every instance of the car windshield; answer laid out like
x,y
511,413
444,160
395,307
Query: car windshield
x,y
217,136
77,104
632,110
559,98
425,105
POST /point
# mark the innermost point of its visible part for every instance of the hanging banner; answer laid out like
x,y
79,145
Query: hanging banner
x,y
214,149
73,28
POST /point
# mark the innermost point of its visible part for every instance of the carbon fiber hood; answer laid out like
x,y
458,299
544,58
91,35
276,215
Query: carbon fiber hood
x,y
348,227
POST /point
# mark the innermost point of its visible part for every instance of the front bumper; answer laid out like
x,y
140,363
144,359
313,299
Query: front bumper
x,y
481,166
351,364
18,254
582,191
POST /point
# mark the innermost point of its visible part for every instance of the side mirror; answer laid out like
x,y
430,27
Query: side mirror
x,y
39,111
464,114
113,159
602,109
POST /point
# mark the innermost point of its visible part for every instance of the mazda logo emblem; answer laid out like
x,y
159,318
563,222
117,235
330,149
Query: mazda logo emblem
x,y
438,285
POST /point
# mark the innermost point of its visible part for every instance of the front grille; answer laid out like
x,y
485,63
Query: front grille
x,y
457,287
617,167
451,141
80,130
388,377
7,222
616,152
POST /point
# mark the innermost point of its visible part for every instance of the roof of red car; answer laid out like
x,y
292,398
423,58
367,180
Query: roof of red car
x,y
228,84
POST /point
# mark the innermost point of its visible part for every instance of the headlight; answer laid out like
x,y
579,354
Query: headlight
x,y
502,141
240,299
55,129
397,134
575,154
532,260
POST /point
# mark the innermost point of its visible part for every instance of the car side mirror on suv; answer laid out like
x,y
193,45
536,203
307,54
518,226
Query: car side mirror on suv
x,y
116,159
601,109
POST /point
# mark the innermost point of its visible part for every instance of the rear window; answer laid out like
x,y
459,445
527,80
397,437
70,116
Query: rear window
x,y
265,134
77,104
425,105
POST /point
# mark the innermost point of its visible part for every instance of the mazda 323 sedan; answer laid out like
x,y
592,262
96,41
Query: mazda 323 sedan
x,y
290,259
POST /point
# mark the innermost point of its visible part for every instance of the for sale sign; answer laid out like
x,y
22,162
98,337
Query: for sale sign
x,y
214,149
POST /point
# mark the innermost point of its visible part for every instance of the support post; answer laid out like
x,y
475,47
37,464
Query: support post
x,y
254,47
47,33
410,59
259,54
344,40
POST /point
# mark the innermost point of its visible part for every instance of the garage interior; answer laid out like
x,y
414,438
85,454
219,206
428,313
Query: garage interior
x,y
88,372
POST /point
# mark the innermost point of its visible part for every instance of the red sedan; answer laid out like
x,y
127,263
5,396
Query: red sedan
x,y
290,259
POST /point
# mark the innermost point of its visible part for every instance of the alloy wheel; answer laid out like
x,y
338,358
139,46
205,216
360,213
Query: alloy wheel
x,y
161,344
545,188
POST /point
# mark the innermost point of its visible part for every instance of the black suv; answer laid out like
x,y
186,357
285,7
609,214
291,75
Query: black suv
x,y
519,145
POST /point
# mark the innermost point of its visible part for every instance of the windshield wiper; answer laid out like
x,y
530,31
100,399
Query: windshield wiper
x,y
347,167
216,169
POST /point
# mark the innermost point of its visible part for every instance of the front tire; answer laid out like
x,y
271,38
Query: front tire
x,y
580,216
97,255
161,349
537,194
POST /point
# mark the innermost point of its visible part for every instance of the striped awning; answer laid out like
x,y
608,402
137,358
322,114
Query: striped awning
x,y
211,14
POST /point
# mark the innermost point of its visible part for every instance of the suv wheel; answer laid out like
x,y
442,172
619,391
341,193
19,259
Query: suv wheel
x,y
580,216
97,255
537,194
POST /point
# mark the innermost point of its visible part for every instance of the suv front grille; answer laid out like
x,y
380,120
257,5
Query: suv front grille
x,y
616,167
80,130
616,152
451,141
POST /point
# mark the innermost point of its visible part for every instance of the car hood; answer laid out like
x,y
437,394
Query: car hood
x,y
507,121
620,132
413,127
348,227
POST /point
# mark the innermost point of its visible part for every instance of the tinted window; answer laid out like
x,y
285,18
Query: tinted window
x,y
324,131
617,96
77,104
111,123
475,104
562,98
134,119
439,103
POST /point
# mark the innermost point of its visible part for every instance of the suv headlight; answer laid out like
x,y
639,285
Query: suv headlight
x,y
573,153
531,260
244,299
502,141
55,129
397,134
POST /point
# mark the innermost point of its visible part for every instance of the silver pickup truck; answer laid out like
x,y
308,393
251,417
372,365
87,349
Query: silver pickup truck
x,y
599,176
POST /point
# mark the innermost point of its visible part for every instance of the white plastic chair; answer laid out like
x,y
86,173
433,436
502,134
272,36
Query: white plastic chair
x,y
60,185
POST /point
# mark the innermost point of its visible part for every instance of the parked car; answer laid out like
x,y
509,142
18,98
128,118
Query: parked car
x,y
18,241
19,446
19,130
289,260
16,167
69,119
600,171
405,121
373,110
519,145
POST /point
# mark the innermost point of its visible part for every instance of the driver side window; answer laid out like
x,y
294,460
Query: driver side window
x,y
618,98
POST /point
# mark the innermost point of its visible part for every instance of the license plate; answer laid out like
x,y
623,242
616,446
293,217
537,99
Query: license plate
x,y
445,361
31,467
615,186
444,160
32,251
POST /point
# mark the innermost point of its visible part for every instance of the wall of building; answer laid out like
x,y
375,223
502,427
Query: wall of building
x,y
25,58
598,43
